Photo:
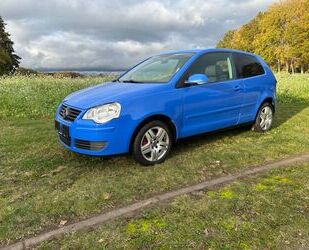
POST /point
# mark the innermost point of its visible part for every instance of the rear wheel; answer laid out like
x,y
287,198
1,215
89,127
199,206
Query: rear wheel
x,y
152,143
264,118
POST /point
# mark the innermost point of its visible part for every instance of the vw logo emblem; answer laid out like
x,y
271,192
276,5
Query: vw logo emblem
x,y
66,112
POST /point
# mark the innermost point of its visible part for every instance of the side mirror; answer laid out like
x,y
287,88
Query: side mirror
x,y
197,79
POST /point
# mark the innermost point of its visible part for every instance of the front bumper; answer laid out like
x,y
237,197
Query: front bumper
x,y
87,137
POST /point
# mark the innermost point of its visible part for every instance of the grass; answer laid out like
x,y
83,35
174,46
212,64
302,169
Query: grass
x,y
41,183
269,212
37,97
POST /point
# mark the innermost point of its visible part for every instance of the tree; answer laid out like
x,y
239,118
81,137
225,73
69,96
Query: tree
x,y
9,61
248,33
226,41
271,43
297,33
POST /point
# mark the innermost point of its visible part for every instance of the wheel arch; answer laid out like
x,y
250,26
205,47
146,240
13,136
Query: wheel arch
x,y
270,100
163,118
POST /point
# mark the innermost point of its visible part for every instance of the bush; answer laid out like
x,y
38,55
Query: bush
x,y
66,74
25,72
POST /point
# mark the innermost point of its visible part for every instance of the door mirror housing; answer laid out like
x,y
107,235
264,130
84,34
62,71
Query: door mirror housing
x,y
197,79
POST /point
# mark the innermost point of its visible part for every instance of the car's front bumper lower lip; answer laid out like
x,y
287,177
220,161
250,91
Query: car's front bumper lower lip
x,y
65,137
86,137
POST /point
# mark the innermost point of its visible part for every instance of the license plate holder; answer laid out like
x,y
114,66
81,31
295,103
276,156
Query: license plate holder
x,y
63,131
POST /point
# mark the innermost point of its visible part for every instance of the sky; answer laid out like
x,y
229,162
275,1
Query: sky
x,y
116,34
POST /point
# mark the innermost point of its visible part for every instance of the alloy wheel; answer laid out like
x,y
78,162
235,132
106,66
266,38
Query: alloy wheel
x,y
266,118
155,143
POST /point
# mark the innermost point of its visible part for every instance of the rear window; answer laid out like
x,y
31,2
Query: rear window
x,y
247,66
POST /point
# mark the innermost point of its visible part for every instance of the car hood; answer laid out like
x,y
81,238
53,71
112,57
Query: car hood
x,y
110,92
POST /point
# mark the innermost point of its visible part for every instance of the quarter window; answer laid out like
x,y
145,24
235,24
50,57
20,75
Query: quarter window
x,y
216,66
248,66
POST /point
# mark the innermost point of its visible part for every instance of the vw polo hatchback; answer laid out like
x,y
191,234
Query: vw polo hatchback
x,y
167,97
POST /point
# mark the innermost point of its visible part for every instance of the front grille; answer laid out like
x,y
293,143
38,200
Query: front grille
x,y
68,113
90,145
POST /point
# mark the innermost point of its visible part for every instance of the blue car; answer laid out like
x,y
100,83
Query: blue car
x,y
165,98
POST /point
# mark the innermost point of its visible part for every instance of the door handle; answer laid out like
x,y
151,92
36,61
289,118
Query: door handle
x,y
237,88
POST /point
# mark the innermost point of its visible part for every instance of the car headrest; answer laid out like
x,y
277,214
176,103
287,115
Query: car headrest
x,y
211,70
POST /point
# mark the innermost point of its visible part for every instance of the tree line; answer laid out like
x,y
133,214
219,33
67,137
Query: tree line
x,y
280,35
9,61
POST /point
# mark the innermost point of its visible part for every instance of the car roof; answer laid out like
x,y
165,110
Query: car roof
x,y
202,51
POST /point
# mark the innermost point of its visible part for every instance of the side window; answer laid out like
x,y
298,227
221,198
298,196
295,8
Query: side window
x,y
216,66
248,66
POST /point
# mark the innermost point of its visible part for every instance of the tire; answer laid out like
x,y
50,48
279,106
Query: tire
x,y
150,147
264,118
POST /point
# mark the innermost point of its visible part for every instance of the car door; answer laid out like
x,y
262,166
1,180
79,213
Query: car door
x,y
216,104
252,72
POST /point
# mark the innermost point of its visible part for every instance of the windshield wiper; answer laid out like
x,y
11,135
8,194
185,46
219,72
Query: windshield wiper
x,y
131,81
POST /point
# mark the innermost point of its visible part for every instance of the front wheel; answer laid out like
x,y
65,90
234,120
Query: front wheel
x,y
264,118
152,143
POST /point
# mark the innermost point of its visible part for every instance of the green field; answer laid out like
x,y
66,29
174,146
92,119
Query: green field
x,y
269,212
41,183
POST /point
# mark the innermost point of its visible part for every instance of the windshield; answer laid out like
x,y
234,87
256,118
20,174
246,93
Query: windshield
x,y
157,69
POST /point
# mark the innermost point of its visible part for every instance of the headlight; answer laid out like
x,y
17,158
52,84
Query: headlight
x,y
104,113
